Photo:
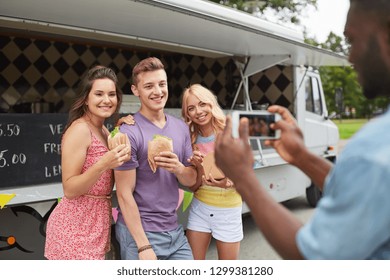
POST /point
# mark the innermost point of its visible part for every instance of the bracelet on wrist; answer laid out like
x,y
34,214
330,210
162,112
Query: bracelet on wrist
x,y
144,248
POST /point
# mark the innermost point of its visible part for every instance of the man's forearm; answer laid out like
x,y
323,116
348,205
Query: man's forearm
x,y
132,219
187,177
314,166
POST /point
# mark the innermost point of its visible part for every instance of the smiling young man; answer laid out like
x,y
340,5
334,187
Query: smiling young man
x,y
147,226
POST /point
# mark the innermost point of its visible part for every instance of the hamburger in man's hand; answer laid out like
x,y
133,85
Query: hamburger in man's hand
x,y
159,144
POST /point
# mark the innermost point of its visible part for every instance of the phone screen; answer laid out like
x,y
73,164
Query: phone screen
x,y
259,125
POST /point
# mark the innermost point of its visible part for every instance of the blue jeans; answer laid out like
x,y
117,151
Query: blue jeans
x,y
168,245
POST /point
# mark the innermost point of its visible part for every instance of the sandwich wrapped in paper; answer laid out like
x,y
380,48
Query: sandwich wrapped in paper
x,y
117,138
158,144
210,167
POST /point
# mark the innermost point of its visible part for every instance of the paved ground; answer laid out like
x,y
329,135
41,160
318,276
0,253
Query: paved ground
x,y
255,246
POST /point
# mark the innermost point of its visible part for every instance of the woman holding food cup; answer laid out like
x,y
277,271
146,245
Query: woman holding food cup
x,y
216,208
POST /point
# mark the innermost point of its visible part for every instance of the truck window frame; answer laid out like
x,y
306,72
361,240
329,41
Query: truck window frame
x,y
313,97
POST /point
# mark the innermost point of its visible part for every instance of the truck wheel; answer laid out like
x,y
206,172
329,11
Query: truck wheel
x,y
313,195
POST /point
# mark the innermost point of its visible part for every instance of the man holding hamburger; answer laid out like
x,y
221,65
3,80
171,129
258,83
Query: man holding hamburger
x,y
147,185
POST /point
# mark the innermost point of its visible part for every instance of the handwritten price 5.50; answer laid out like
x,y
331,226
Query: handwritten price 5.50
x,y
9,130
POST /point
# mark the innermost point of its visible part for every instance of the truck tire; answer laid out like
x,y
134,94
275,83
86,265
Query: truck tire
x,y
313,195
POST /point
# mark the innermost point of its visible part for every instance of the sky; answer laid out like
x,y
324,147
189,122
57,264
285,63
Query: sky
x,y
330,16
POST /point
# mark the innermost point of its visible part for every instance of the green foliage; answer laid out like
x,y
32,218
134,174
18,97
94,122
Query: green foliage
x,y
334,43
346,79
285,10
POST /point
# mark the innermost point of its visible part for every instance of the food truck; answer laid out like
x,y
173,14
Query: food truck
x,y
47,45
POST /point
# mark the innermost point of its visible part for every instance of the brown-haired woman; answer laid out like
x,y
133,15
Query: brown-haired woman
x,y
79,226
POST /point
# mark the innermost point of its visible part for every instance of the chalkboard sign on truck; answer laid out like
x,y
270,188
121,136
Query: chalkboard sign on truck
x,y
30,148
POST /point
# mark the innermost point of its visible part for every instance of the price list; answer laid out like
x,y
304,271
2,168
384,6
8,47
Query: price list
x,y
30,148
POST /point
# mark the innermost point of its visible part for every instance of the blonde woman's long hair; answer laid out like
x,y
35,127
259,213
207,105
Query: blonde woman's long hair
x,y
206,96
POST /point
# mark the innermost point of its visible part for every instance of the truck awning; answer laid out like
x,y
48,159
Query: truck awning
x,y
191,27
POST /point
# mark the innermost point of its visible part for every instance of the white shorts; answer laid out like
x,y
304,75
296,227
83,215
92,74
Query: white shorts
x,y
224,224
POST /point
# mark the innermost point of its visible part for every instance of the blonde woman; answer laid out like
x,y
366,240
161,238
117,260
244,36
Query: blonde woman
x,y
216,207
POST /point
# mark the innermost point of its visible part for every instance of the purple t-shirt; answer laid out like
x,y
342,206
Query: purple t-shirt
x,y
157,193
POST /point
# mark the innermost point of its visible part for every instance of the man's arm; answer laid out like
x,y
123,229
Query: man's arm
x,y
314,166
277,224
187,176
170,162
125,184
291,147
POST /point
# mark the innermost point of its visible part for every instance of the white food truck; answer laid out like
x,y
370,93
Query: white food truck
x,y
46,45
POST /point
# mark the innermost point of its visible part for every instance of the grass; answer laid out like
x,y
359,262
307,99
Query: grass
x,y
348,127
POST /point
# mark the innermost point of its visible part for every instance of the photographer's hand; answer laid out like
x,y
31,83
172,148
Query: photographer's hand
x,y
290,145
229,151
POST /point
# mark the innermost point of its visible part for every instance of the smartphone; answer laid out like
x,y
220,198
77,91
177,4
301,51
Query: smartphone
x,y
259,124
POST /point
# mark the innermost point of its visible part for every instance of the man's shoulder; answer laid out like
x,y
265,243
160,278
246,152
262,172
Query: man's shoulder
x,y
175,119
374,133
369,146
178,125
132,128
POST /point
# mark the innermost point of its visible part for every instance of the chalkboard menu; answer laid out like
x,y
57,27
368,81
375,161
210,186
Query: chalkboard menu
x,y
30,148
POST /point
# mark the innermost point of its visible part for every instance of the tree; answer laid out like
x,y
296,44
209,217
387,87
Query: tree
x,y
334,43
345,78
283,10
